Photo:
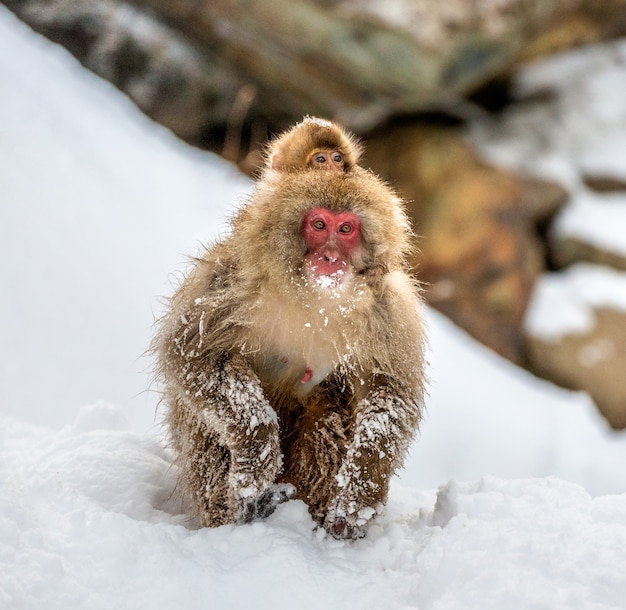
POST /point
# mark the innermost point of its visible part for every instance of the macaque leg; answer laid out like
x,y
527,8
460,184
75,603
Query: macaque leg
x,y
206,483
383,430
227,438
314,458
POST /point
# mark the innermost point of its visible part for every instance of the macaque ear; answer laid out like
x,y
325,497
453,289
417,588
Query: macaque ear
x,y
276,161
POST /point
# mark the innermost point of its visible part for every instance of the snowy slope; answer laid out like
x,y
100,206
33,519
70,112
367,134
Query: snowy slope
x,y
98,207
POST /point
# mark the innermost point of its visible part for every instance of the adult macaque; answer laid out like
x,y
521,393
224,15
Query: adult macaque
x,y
292,354
314,143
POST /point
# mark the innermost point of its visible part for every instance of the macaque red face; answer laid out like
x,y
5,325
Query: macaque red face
x,y
332,239
324,158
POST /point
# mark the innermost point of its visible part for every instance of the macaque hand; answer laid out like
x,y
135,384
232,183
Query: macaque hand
x,y
265,504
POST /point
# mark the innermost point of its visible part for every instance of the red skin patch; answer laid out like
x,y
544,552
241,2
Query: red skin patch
x,y
308,373
331,238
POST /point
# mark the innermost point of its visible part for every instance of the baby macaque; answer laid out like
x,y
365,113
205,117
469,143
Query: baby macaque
x,y
314,143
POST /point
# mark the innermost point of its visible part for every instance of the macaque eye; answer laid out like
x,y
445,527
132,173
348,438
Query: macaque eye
x,y
319,224
337,158
346,227
319,158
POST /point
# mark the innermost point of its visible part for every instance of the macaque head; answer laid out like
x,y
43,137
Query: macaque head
x,y
332,239
324,230
314,144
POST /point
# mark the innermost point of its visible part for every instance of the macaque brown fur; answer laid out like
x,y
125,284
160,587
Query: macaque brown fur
x,y
275,378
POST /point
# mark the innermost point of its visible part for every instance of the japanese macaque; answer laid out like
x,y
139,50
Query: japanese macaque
x,y
291,356
314,143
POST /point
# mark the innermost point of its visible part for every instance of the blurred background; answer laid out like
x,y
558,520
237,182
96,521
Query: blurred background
x,y
502,123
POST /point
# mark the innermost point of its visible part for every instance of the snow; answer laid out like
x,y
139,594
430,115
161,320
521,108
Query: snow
x,y
563,303
571,118
88,521
596,219
513,497
99,209
580,131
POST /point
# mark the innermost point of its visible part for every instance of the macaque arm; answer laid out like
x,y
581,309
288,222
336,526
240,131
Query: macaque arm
x,y
233,405
220,398
384,427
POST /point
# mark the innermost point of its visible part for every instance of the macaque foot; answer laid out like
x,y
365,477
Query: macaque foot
x,y
264,505
342,528
348,526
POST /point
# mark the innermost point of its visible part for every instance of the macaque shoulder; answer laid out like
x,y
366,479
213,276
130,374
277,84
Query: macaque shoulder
x,y
401,293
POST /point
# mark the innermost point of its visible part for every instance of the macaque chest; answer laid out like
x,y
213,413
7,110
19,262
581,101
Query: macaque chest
x,y
301,347
292,370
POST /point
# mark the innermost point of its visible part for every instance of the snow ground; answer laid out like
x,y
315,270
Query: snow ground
x,y
501,503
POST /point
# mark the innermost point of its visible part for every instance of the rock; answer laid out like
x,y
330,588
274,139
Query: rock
x,y
569,250
605,183
361,61
479,248
173,79
192,64
576,334
593,361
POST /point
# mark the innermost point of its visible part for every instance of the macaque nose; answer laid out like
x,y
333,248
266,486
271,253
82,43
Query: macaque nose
x,y
331,256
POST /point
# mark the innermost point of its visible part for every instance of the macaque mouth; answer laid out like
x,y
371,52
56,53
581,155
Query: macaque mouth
x,y
327,270
329,264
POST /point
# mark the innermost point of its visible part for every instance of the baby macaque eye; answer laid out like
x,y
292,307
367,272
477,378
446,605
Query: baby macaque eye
x,y
346,227
320,158
319,224
337,158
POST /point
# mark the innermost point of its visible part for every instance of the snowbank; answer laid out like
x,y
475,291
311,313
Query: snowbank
x,y
572,119
99,208
88,521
